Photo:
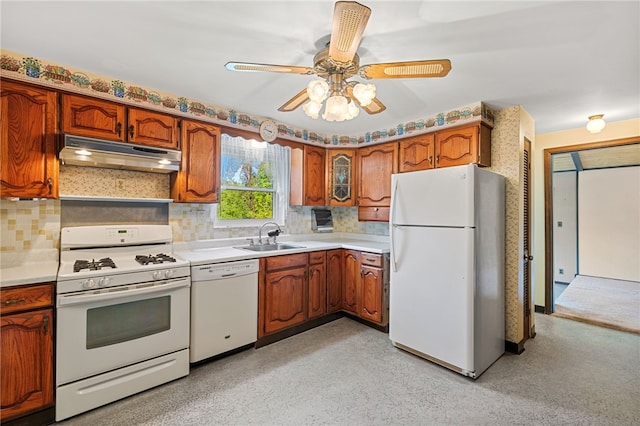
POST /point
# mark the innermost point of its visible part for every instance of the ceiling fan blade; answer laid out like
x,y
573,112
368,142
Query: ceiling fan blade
x,y
413,69
286,69
374,107
349,21
295,102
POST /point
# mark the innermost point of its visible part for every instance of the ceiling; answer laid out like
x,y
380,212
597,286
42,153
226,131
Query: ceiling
x,y
561,61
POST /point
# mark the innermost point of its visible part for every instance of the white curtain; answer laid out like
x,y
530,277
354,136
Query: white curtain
x,y
279,156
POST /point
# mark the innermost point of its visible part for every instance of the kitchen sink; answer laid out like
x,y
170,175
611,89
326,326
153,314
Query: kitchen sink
x,y
270,247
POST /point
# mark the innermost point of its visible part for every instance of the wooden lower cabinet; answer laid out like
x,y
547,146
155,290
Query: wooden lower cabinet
x,y
334,280
317,284
351,281
26,326
366,286
285,292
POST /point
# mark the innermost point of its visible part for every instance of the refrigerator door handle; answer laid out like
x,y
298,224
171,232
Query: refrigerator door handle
x,y
393,225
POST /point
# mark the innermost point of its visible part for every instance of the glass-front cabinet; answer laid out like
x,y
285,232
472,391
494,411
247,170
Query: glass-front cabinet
x,y
341,166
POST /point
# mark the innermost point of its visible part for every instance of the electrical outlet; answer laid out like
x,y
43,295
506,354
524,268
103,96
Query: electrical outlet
x,y
120,186
561,271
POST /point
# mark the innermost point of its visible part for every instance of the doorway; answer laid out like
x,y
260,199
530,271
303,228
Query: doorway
x,y
608,154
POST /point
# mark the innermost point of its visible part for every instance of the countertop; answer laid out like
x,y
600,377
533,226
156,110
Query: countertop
x,y
44,266
218,251
29,272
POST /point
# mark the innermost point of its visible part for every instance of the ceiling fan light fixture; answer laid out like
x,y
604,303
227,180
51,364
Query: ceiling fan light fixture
x,y
318,90
336,109
595,123
352,110
312,109
364,93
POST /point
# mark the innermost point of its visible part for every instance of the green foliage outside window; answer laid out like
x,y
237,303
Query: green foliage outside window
x,y
247,191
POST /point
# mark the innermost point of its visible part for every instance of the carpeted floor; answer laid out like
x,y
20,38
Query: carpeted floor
x,y
601,301
345,373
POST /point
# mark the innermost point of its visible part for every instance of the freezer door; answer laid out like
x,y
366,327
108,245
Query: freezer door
x,y
438,197
432,291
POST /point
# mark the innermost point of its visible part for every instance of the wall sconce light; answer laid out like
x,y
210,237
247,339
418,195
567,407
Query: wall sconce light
x,y
595,123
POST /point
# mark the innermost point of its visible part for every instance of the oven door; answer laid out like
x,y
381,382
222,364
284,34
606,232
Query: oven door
x,y
99,331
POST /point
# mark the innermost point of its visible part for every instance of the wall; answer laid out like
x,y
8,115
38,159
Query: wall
x,y
613,130
609,223
512,126
565,235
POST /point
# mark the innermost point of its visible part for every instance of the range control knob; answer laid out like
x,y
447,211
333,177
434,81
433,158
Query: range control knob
x,y
90,283
104,281
169,273
157,275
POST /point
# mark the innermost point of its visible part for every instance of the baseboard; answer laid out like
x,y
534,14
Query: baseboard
x,y
514,348
272,338
539,309
382,328
39,418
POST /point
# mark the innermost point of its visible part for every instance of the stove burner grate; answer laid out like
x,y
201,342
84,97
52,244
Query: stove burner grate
x,y
93,265
150,259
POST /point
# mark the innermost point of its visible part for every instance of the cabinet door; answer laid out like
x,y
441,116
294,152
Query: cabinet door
x,y
152,129
26,382
371,293
93,118
28,163
376,164
464,145
341,171
334,280
417,153
317,290
351,281
285,298
314,176
198,178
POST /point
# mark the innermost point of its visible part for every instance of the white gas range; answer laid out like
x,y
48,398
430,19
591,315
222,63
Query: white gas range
x,y
123,309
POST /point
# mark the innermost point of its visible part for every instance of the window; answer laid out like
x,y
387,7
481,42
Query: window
x,y
254,183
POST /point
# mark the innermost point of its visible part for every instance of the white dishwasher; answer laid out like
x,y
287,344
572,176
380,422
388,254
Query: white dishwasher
x,y
224,307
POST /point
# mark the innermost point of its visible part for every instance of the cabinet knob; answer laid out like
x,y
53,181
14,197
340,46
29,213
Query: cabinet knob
x,y
50,185
119,128
14,301
131,131
431,159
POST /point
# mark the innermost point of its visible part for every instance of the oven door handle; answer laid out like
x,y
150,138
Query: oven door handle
x,y
76,299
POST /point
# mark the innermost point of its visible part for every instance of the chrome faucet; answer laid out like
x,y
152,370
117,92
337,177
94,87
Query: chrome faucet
x,y
273,233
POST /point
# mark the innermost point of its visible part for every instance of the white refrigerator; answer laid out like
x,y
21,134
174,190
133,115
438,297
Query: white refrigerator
x,y
447,232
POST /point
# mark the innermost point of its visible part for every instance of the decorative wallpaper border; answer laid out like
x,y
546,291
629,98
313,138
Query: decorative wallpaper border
x,y
38,71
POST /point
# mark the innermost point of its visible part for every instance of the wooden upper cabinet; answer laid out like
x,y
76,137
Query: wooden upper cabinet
x,y
463,145
307,176
376,164
341,177
153,129
417,153
93,118
28,160
198,180
100,119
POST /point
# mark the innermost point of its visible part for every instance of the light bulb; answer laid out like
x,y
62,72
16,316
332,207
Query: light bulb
x,y
364,93
312,109
336,109
317,90
595,123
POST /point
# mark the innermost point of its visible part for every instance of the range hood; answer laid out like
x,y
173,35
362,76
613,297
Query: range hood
x,y
81,151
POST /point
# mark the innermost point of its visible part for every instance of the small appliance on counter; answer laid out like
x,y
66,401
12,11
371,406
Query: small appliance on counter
x,y
321,220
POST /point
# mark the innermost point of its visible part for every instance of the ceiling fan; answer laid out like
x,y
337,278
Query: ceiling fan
x,y
338,62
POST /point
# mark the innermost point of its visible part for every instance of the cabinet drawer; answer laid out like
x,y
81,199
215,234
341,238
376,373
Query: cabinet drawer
x,y
288,261
23,298
316,257
373,214
371,259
